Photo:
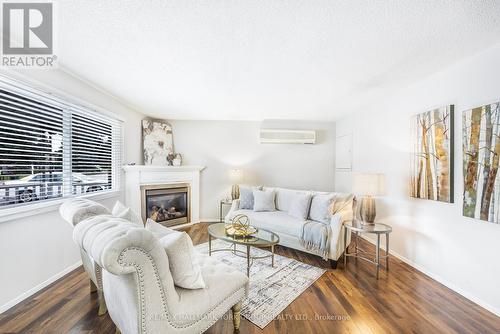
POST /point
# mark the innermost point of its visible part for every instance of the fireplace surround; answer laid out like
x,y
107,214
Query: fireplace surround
x,y
167,204
139,178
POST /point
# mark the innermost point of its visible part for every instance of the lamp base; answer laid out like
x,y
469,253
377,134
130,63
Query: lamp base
x,y
235,191
367,210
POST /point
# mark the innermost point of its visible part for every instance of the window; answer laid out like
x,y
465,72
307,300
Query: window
x,y
50,148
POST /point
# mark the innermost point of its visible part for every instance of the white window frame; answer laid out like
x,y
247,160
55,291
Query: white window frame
x,y
36,90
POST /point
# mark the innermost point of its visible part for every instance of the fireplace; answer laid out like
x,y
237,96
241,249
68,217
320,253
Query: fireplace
x,y
138,178
167,204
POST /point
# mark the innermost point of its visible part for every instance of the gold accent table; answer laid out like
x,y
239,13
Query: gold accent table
x,y
260,239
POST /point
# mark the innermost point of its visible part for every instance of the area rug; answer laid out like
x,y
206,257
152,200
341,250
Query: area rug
x,y
271,289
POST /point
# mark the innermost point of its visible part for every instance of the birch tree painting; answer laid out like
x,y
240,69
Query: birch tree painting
x,y
432,158
481,155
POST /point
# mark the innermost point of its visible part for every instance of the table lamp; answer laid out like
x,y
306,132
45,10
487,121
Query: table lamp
x,y
236,176
368,185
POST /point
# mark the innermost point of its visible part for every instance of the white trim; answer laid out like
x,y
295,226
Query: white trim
x,y
39,287
33,209
210,220
441,280
152,168
178,227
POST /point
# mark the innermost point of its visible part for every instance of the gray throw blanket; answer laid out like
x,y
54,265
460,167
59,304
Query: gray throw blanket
x,y
315,238
315,234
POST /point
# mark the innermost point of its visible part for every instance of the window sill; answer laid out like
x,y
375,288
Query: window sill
x,y
28,210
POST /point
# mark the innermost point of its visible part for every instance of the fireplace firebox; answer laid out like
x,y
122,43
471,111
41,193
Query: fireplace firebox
x,y
166,204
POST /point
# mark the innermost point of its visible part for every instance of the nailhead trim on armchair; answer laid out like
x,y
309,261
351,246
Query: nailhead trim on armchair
x,y
162,292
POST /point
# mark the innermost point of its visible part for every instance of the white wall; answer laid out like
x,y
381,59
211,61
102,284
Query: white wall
x,y
222,145
37,248
460,252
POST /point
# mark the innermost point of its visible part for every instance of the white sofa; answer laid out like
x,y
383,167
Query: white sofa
x,y
289,228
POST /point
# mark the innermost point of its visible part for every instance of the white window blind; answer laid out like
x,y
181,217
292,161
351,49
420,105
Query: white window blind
x,y
51,148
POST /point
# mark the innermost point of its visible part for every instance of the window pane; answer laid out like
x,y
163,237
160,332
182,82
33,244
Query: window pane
x,y
31,147
50,148
91,154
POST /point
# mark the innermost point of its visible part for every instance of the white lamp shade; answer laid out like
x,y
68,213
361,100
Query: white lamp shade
x,y
368,184
236,175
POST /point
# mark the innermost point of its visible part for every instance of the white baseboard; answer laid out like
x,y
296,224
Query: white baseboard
x,y
210,220
177,227
39,287
439,279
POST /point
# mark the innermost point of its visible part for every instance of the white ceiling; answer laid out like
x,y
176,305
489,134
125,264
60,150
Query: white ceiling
x,y
265,59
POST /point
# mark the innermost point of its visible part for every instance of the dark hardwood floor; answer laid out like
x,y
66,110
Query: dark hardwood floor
x,y
341,301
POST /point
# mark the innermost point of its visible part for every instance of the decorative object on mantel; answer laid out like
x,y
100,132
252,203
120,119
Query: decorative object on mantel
x,y
236,176
432,156
157,142
170,159
177,160
368,185
481,149
239,226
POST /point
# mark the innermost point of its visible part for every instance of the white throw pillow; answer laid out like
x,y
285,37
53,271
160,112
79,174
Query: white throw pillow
x,y
300,205
320,207
285,197
264,200
122,211
181,259
246,197
158,230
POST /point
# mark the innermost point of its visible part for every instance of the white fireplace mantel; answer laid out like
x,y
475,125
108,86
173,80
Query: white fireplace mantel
x,y
132,168
139,175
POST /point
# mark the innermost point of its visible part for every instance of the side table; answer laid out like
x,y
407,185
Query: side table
x,y
221,206
378,229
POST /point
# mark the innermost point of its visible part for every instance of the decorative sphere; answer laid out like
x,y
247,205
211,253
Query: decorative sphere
x,y
240,223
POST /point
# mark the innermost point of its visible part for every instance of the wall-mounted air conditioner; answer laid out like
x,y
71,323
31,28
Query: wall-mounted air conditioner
x,y
280,136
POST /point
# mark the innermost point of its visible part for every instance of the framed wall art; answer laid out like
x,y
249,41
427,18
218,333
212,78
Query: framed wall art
x,y
432,155
481,155
157,142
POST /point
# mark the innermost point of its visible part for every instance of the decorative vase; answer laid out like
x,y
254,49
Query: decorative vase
x,y
177,160
235,191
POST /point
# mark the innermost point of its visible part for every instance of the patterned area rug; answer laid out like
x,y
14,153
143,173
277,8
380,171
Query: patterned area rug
x,y
271,289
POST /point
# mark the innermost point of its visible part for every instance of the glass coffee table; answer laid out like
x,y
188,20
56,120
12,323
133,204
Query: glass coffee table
x,y
261,239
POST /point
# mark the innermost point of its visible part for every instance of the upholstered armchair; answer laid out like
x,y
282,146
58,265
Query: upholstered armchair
x,y
138,286
75,211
